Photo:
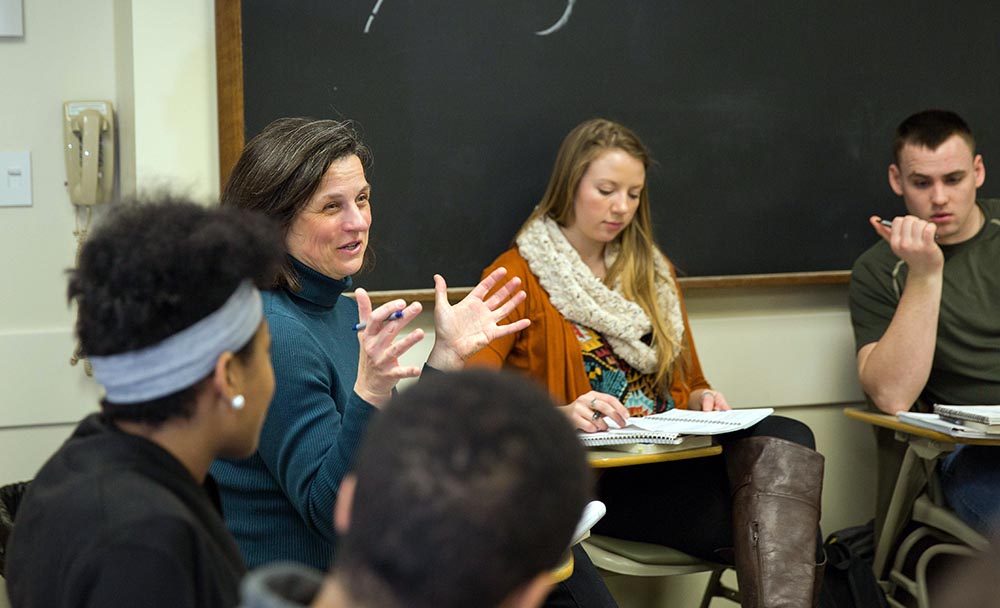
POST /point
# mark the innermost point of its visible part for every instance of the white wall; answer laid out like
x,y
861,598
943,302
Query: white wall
x,y
154,57
176,126
785,347
37,244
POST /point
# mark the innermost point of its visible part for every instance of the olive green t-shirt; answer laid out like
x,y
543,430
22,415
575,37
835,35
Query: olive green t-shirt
x,y
966,366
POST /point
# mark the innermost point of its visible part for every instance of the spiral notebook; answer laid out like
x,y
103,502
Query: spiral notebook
x,y
983,414
687,442
669,427
629,436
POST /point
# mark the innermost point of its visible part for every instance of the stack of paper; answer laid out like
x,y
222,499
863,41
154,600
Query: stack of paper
x,y
934,422
984,418
670,427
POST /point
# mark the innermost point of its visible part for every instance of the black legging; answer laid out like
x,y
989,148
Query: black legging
x,y
684,504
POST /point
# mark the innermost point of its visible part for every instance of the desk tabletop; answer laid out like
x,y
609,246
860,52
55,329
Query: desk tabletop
x,y
604,459
894,423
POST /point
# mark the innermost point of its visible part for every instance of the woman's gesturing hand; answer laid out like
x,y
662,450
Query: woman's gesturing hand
x,y
462,330
378,362
587,412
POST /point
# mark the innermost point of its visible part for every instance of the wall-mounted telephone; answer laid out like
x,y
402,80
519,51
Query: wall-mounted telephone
x,y
89,132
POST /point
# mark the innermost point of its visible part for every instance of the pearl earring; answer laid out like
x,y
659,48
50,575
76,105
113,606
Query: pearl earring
x,y
238,402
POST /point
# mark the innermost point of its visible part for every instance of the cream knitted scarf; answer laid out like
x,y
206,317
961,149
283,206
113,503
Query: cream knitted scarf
x,y
583,298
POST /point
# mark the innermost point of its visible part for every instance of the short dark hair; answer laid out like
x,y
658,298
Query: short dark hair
x,y
930,129
283,165
156,266
469,486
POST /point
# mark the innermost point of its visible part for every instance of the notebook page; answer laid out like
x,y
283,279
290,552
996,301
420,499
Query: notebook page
x,y
688,422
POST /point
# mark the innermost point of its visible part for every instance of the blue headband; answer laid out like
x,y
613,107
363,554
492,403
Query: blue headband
x,y
184,358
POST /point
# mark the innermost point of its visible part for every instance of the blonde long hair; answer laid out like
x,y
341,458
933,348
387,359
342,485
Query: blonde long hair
x,y
635,266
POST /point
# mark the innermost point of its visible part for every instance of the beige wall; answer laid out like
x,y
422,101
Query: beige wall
x,y
783,347
36,383
157,57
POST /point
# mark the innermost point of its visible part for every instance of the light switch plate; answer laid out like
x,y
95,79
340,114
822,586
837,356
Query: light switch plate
x,y
12,18
15,179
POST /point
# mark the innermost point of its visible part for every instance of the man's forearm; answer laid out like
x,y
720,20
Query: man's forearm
x,y
894,370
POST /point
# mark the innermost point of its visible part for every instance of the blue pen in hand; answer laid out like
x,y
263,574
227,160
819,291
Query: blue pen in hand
x,y
396,315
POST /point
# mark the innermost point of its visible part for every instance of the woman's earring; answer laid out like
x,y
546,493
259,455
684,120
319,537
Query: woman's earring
x,y
238,402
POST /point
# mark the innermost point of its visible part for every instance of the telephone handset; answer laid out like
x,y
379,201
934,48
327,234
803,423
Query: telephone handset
x,y
89,133
89,136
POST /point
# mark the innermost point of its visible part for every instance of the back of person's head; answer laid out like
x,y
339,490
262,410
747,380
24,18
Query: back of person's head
x,y
469,486
283,165
155,267
929,129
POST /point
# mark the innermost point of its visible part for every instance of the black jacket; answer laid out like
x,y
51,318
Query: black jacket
x,y
113,519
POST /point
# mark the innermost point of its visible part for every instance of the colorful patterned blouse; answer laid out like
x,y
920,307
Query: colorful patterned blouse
x,y
609,374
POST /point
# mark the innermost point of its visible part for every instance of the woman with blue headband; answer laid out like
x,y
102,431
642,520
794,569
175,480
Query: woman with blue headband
x,y
170,316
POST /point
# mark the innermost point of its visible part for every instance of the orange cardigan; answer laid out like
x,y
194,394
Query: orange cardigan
x,y
549,350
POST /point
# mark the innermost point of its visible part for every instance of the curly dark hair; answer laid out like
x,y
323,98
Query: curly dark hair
x,y
154,267
469,485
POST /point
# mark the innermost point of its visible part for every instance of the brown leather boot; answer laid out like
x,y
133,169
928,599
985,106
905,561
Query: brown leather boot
x,y
776,487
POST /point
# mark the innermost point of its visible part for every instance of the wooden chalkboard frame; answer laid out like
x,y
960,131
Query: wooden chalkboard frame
x,y
229,76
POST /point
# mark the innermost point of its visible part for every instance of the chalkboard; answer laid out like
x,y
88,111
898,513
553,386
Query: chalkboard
x,y
770,122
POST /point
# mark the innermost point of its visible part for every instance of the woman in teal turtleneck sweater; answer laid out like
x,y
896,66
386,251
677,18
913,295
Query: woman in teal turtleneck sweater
x,y
309,175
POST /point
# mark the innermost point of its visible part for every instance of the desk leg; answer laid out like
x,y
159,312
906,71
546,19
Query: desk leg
x,y
909,483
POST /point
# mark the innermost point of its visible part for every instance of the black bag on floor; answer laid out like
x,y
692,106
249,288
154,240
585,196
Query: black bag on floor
x,y
10,499
849,581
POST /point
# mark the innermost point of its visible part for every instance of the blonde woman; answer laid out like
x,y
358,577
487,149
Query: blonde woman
x,y
609,336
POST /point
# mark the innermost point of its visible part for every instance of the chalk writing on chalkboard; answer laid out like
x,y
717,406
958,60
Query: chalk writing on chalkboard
x,y
555,27
371,17
558,24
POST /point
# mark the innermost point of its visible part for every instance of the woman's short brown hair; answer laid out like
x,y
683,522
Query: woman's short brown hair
x,y
281,167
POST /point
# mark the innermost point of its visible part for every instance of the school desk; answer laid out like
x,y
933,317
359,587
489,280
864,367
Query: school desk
x,y
606,459
924,447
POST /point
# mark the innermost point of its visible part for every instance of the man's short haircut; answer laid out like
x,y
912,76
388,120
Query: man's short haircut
x,y
930,129
469,486
156,266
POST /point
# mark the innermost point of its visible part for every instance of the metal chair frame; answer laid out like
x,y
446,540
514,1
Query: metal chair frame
x,y
917,497
630,558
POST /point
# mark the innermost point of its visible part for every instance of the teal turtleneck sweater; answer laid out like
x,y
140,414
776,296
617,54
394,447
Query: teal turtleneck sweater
x,y
279,502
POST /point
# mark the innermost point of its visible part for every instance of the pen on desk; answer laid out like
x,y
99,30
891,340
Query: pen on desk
x,y
396,315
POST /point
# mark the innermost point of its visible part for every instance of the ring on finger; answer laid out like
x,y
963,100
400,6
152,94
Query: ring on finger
x,y
593,403
595,416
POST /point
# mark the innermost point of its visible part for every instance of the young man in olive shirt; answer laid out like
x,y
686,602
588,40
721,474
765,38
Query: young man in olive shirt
x,y
924,298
